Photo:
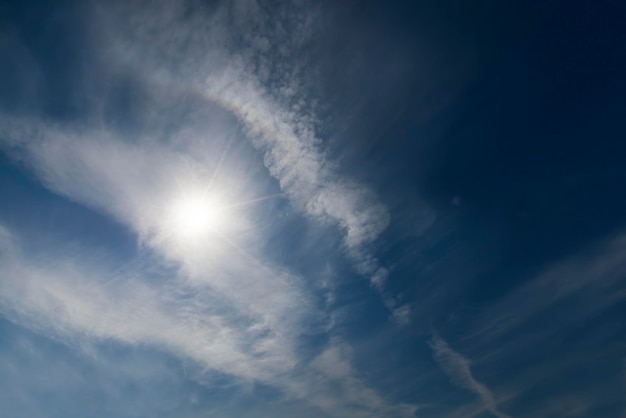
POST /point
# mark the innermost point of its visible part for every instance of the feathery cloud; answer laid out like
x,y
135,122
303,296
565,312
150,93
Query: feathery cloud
x,y
458,369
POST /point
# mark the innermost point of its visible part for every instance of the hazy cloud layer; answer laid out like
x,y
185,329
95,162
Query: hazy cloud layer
x,y
277,202
258,75
224,305
71,302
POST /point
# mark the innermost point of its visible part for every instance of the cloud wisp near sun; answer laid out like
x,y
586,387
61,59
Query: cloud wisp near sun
x,y
225,305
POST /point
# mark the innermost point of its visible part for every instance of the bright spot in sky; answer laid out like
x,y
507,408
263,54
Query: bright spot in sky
x,y
195,215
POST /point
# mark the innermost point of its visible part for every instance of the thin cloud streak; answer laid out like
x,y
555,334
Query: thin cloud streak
x,y
539,312
458,369
598,270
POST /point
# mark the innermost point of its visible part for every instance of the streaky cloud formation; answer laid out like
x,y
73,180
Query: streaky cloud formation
x,y
191,322
599,271
459,370
225,308
261,208
263,86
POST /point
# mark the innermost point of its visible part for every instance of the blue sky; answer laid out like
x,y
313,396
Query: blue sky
x,y
278,209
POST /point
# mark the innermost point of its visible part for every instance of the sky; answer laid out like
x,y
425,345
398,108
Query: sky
x,y
354,209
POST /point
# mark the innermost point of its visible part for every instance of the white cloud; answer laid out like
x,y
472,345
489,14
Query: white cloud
x,y
402,314
251,62
561,300
598,271
460,372
293,156
227,307
136,185
65,300
335,364
75,303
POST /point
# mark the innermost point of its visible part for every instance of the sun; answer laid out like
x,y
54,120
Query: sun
x,y
202,217
195,215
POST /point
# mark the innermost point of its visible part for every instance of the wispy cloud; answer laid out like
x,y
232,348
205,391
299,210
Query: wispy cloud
x,y
562,300
258,75
66,300
226,308
184,53
71,302
225,304
458,368
597,271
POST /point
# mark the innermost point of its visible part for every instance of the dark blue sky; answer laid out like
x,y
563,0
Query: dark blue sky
x,y
278,209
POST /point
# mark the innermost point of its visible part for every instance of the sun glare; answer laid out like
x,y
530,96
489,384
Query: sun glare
x,y
196,215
